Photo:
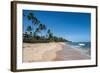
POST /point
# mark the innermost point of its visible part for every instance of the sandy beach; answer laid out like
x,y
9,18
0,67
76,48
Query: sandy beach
x,y
54,51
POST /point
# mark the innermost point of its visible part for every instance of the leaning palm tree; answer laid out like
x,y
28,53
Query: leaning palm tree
x,y
36,31
29,29
49,31
30,16
42,27
34,20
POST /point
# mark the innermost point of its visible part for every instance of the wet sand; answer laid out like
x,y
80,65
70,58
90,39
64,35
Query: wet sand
x,y
69,53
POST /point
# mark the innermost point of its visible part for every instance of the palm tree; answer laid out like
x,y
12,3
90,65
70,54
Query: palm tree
x,y
36,31
49,31
34,20
25,35
29,29
50,35
42,27
30,16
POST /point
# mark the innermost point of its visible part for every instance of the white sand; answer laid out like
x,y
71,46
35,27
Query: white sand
x,y
40,51
50,52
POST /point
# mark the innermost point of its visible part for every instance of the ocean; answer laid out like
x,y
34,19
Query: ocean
x,y
85,46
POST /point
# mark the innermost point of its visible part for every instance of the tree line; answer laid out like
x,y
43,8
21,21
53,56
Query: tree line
x,y
31,35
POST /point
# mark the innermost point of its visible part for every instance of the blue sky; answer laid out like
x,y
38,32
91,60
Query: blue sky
x,y
70,25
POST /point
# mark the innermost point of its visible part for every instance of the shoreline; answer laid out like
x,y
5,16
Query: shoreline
x,y
69,53
53,51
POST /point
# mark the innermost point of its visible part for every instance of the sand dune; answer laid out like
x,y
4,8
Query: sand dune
x,y
51,52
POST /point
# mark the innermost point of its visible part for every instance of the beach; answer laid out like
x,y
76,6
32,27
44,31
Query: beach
x,y
53,51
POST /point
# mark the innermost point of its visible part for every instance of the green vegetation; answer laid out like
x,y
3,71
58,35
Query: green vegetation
x,y
31,35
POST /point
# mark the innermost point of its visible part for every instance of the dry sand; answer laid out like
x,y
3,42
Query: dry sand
x,y
51,52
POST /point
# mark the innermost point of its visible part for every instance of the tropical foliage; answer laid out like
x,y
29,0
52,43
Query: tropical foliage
x,y
34,31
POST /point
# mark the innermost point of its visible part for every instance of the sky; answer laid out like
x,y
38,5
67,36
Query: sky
x,y
72,26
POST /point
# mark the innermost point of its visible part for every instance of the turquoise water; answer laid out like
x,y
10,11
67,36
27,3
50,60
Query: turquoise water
x,y
84,45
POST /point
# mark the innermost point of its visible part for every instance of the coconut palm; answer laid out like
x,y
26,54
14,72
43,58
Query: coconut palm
x,y
50,34
42,27
30,16
36,31
29,29
34,20
49,31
